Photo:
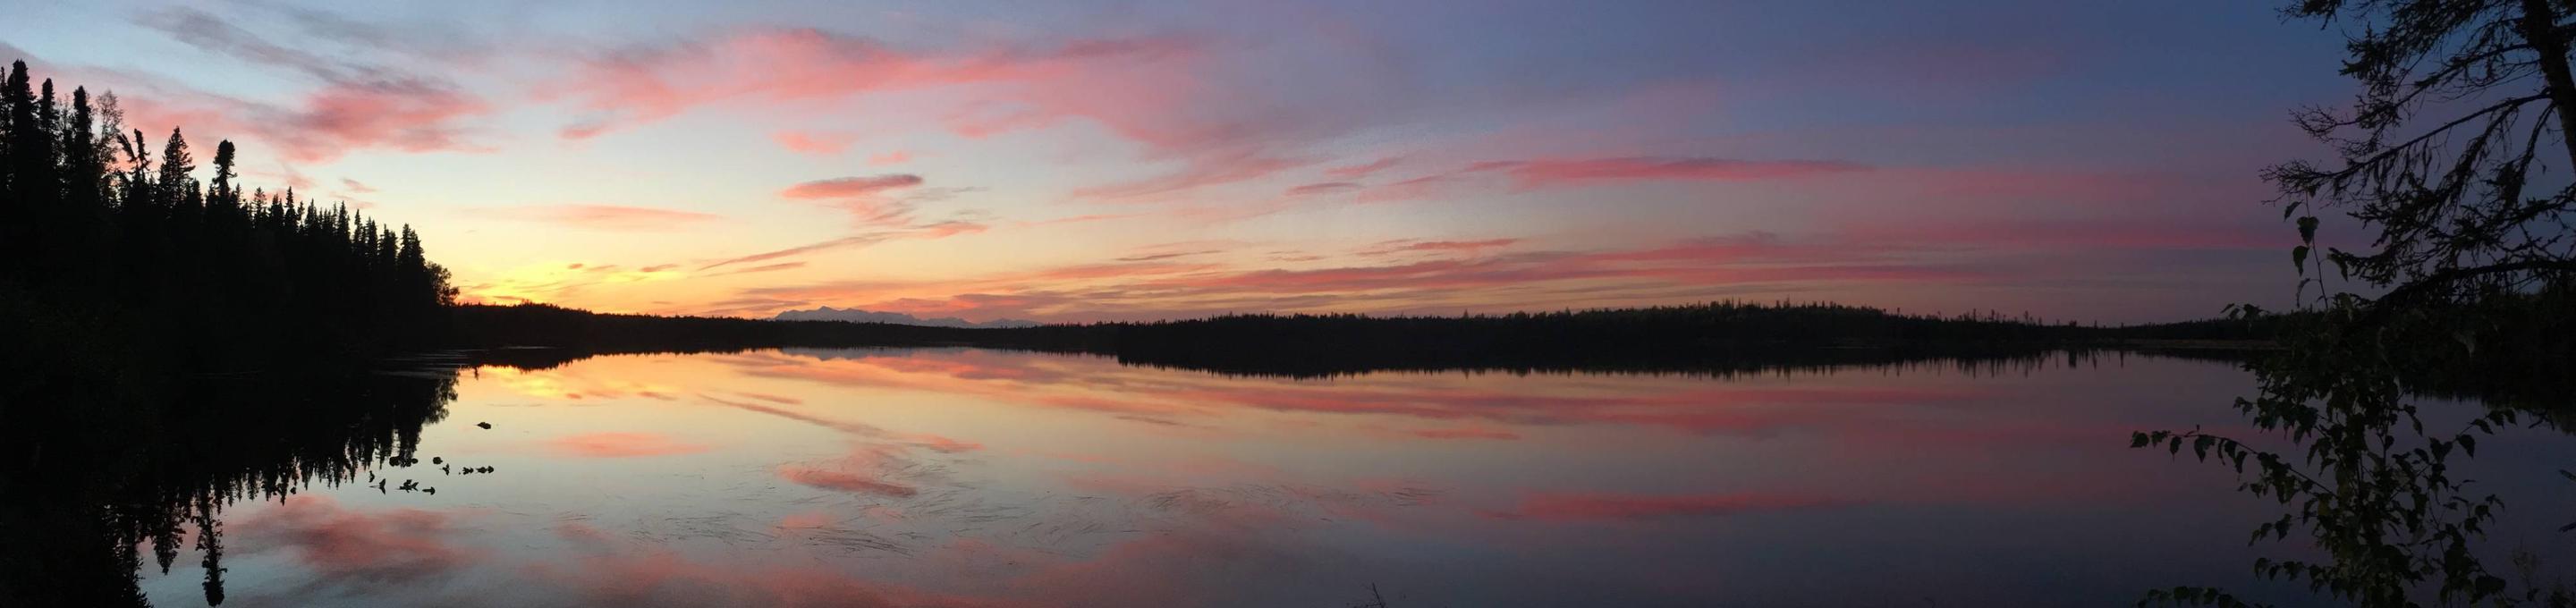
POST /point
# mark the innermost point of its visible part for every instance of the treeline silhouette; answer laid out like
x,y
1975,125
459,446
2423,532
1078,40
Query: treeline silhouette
x,y
2512,349
105,239
543,325
1713,337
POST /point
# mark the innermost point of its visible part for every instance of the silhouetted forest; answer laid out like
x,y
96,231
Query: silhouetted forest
x,y
135,287
1720,336
106,240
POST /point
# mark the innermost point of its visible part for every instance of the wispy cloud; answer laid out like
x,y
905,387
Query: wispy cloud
x,y
621,445
649,83
817,143
1348,172
606,217
851,187
360,105
1449,274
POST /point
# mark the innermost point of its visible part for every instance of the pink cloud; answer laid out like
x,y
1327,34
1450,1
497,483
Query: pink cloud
x,y
1174,98
940,444
1414,189
1552,172
850,187
815,143
360,105
776,66
844,482
1166,255
861,240
621,445
1411,246
1361,170
870,201
323,125
854,428
890,158
1196,172
408,116
1164,290
1467,433
1322,188
948,229
343,544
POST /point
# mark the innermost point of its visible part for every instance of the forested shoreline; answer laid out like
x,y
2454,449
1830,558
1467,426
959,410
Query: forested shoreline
x,y
121,256
1715,336
134,284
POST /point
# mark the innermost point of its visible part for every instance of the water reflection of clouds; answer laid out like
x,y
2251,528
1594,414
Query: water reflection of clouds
x,y
1551,506
621,445
925,441
1162,397
341,545
997,479
568,384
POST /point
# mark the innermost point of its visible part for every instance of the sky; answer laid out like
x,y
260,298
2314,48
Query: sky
x,y
1128,160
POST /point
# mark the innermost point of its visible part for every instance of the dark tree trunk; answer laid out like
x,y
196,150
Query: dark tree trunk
x,y
2540,27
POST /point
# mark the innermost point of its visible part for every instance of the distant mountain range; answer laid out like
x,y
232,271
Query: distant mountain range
x,y
854,315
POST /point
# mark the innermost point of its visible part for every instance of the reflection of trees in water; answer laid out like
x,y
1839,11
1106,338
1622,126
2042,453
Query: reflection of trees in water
x,y
1722,337
81,513
1993,360
82,506
1986,360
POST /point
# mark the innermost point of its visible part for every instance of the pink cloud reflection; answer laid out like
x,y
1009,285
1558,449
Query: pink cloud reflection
x,y
621,445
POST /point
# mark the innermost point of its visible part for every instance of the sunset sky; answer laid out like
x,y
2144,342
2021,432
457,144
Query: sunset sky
x,y
1079,161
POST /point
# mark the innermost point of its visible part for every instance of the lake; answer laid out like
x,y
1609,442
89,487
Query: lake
x,y
964,477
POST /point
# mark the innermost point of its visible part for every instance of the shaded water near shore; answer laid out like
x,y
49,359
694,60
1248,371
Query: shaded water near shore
x,y
963,477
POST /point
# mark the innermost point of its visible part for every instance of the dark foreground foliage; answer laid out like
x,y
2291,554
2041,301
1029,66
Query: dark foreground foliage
x,y
2470,290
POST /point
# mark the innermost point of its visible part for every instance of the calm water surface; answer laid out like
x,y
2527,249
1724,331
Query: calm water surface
x,y
992,478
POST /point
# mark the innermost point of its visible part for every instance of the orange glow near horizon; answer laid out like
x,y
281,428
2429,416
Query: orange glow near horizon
x,y
946,164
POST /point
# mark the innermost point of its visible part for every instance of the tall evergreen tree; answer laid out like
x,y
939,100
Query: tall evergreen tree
x,y
27,166
30,154
49,114
178,187
411,256
83,169
222,186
